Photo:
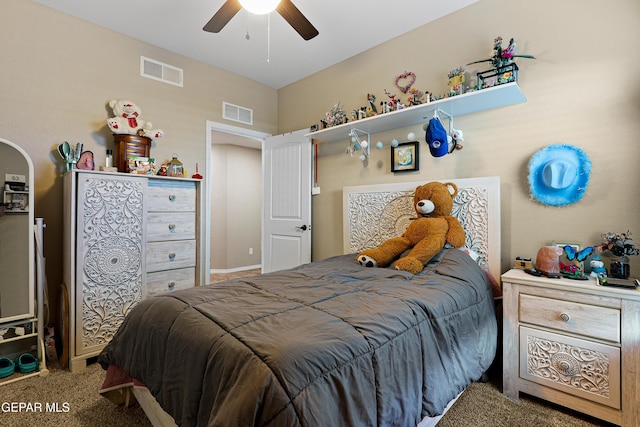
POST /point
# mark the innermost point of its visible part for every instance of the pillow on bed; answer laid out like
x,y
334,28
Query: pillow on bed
x,y
473,254
436,257
495,286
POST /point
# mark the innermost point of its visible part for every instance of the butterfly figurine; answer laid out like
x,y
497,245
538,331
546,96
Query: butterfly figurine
x,y
577,255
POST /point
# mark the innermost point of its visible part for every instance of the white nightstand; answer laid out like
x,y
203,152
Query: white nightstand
x,y
573,343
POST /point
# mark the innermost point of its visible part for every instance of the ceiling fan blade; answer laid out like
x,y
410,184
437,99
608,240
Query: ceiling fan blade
x,y
296,19
223,16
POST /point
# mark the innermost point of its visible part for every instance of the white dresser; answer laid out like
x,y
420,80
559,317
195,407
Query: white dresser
x,y
573,343
126,237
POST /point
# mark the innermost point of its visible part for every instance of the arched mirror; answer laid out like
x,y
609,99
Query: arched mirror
x,y
17,272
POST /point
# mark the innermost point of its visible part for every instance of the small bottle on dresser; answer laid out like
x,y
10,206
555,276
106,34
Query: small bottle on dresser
x,y
108,162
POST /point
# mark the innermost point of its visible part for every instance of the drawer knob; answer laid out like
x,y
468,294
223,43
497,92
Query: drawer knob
x,y
172,197
565,317
567,367
171,285
172,255
172,227
565,363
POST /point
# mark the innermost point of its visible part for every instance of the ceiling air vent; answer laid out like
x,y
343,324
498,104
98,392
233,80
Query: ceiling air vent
x,y
157,70
237,113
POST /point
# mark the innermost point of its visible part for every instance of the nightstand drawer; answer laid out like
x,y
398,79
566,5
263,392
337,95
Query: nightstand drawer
x,y
579,367
566,316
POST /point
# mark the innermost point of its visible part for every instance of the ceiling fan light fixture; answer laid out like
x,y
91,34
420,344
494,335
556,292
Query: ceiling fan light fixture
x,y
260,7
285,8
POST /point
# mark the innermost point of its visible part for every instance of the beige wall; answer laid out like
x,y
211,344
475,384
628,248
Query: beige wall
x,y
58,74
583,89
236,206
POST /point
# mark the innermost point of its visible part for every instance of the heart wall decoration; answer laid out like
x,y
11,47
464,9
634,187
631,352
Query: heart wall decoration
x,y
406,79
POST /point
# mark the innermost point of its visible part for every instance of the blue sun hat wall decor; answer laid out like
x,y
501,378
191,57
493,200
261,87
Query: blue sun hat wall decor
x,y
559,174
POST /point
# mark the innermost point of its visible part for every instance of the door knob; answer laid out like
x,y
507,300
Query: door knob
x,y
303,228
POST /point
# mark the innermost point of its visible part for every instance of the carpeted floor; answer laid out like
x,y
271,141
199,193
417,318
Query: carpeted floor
x,y
483,405
73,401
79,405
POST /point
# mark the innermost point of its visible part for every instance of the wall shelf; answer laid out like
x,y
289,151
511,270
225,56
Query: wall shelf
x,y
471,102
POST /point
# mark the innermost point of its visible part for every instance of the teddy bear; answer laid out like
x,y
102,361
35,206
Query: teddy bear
x,y
425,236
127,121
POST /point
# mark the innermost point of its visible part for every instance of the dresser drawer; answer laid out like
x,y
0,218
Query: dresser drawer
x,y
577,318
172,280
582,368
171,226
171,196
170,254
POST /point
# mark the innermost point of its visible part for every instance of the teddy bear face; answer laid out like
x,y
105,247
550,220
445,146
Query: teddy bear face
x,y
125,108
435,199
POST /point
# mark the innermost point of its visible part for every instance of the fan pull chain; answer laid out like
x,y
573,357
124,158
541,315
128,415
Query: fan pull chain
x,y
268,37
248,37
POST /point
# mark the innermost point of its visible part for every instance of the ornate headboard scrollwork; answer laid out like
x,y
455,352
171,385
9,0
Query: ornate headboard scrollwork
x,y
375,213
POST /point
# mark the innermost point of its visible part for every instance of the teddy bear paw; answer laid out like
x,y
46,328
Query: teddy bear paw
x,y
366,261
113,124
409,264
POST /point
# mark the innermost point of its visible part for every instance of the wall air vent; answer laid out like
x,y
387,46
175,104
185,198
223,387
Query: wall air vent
x,y
237,113
157,70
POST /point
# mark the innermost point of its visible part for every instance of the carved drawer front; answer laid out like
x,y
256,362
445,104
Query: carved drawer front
x,y
577,318
582,368
171,226
172,280
170,254
171,196
109,267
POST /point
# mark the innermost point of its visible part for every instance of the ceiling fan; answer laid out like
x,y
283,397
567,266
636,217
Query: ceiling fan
x,y
285,8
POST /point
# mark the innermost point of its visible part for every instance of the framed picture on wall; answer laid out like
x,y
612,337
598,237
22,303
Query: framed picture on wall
x,y
559,244
405,157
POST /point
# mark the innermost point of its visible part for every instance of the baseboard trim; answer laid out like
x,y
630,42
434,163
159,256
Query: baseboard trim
x,y
234,270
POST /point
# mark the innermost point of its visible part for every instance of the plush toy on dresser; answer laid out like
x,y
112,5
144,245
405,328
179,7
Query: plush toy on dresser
x,y
127,120
425,236
597,268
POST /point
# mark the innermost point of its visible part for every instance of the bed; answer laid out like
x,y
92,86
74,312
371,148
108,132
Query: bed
x,y
325,343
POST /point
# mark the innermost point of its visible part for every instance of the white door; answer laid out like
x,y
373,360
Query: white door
x,y
286,230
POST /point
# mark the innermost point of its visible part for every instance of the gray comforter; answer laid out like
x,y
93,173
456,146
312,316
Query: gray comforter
x,y
329,343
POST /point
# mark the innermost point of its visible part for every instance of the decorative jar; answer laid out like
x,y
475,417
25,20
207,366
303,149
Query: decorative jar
x,y
174,167
619,267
